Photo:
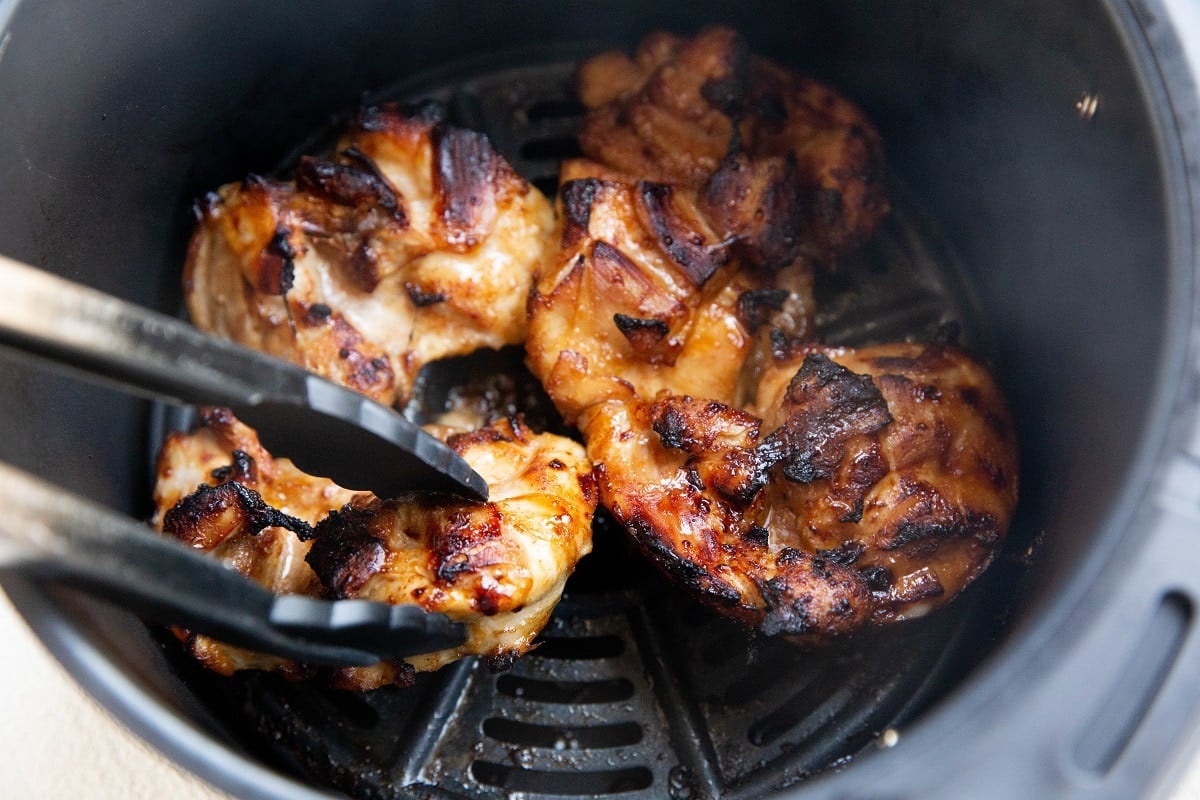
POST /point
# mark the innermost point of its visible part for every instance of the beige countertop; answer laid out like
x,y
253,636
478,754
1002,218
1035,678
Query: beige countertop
x,y
57,742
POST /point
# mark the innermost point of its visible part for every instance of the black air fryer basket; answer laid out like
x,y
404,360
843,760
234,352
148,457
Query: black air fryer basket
x,y
1045,168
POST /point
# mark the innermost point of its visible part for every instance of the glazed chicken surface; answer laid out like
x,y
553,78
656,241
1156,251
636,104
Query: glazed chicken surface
x,y
642,296
779,161
416,241
499,567
860,486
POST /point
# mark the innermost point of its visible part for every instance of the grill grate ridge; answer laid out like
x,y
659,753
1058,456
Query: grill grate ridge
x,y
566,725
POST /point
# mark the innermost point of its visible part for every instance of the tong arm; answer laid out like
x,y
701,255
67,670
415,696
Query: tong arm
x,y
325,428
50,533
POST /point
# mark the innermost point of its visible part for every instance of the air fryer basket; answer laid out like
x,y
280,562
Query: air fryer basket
x,y
1044,198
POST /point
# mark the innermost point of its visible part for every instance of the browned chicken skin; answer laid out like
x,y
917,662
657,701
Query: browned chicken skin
x,y
861,486
217,490
642,296
746,134
499,567
416,242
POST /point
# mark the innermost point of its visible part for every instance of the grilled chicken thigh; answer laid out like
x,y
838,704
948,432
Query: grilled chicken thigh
x,y
499,567
861,486
744,133
804,490
417,241
641,296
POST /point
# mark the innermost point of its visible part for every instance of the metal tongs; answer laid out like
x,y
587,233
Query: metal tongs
x,y
325,429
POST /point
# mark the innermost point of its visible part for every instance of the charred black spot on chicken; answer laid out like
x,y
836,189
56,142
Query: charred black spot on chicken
x,y
345,552
686,240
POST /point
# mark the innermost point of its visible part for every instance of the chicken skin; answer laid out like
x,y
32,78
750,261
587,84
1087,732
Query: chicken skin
x,y
745,133
642,296
860,487
498,567
417,241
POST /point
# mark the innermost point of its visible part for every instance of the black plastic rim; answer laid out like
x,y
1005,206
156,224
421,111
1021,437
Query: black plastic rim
x,y
958,725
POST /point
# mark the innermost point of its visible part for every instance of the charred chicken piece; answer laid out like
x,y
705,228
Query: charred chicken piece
x,y
217,490
667,114
416,241
781,162
499,567
641,296
862,487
